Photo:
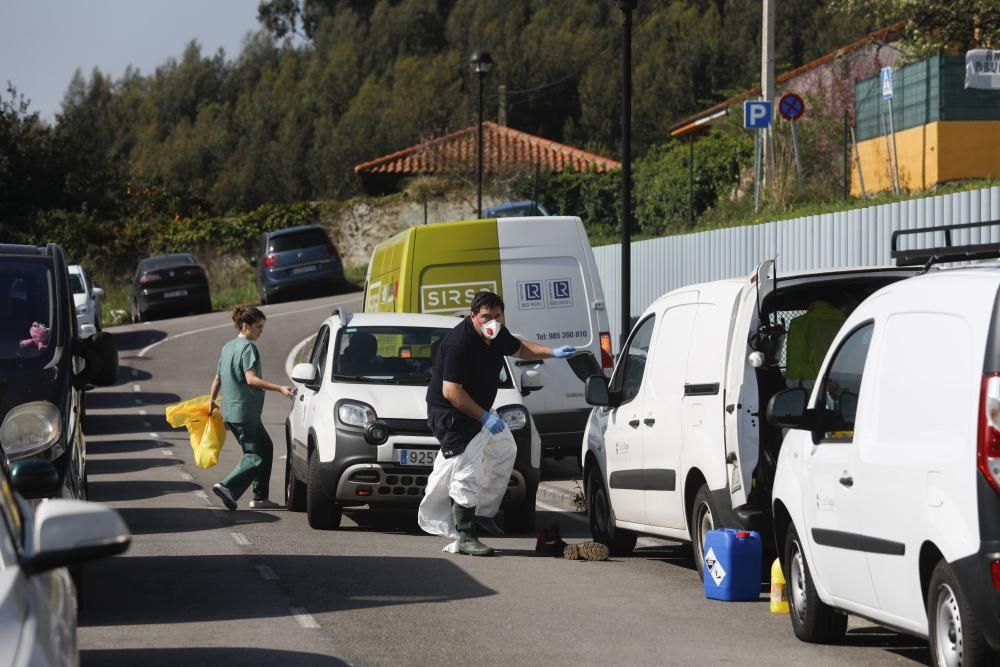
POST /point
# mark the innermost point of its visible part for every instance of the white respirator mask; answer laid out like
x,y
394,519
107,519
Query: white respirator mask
x,y
491,329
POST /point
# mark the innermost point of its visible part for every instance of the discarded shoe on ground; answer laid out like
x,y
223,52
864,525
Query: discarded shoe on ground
x,y
586,551
549,543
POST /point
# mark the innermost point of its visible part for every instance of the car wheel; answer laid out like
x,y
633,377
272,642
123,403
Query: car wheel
x,y
703,519
601,518
206,307
954,634
295,491
813,620
520,519
323,512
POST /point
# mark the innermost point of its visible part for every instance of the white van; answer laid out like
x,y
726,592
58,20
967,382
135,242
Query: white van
x,y
887,492
544,269
677,446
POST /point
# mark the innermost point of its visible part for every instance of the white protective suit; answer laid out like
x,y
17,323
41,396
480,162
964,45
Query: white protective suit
x,y
477,477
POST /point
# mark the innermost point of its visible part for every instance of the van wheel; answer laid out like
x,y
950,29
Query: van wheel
x,y
602,523
812,620
323,512
295,491
703,516
954,634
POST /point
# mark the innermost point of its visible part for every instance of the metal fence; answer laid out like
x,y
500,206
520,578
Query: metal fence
x,y
849,238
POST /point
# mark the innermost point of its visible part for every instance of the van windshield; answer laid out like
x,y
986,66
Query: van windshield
x,y
28,326
391,355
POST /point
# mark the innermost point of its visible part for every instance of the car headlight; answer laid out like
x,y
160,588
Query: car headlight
x,y
353,413
30,429
82,309
514,416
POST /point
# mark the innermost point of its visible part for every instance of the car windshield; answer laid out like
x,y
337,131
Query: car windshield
x,y
76,283
28,327
304,238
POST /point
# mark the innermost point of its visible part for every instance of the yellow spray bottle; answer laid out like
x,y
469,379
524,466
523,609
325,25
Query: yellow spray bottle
x,y
779,602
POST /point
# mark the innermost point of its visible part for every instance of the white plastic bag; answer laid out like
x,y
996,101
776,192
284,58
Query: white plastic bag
x,y
477,477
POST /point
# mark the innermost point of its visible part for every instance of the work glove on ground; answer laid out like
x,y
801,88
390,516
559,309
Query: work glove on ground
x,y
492,422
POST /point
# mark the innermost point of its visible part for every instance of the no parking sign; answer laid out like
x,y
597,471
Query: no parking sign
x,y
791,106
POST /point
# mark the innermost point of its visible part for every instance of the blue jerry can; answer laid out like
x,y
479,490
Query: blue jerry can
x,y
732,564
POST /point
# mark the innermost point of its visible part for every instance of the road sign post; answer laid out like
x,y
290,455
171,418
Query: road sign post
x,y
886,75
757,115
791,107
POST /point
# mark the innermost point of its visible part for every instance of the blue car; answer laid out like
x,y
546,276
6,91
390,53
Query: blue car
x,y
516,209
297,262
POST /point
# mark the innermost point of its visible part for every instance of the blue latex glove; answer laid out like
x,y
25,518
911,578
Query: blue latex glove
x,y
492,422
563,352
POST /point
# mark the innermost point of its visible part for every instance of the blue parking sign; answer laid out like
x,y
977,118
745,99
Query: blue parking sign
x,y
757,114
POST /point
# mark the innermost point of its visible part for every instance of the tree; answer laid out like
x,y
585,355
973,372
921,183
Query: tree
x,y
934,24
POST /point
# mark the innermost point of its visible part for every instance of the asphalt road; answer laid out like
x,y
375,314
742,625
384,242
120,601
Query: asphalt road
x,y
202,585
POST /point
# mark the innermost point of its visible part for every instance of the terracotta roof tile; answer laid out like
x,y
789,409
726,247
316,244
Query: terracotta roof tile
x,y
503,148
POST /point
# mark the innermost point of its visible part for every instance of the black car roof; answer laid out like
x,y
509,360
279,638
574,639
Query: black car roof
x,y
18,249
292,230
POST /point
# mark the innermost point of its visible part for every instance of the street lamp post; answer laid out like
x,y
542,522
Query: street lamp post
x,y
626,7
481,63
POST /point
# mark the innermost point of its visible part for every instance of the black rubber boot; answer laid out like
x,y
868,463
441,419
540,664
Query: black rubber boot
x,y
468,543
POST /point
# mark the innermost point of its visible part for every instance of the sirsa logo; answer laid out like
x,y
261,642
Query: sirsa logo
x,y
451,298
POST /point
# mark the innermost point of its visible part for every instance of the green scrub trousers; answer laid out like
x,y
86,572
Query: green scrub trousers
x,y
255,466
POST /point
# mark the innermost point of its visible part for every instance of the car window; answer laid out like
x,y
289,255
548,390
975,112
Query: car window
x,y
386,354
76,284
318,356
165,262
28,323
305,238
628,379
842,385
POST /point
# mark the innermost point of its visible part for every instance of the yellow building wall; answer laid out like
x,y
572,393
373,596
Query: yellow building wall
x,y
930,154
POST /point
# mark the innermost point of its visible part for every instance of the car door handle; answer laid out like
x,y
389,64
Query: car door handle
x,y
847,481
648,421
634,423
302,397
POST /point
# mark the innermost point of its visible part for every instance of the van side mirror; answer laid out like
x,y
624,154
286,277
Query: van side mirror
x,y
596,392
100,356
787,409
98,293
34,478
531,380
584,364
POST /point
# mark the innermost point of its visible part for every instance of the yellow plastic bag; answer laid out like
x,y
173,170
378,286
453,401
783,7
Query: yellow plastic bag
x,y
208,433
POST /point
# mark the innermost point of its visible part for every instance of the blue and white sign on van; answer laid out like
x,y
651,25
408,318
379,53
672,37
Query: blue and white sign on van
x,y
886,83
757,114
559,293
529,294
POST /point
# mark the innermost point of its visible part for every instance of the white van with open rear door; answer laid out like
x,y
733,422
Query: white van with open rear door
x,y
676,445
887,492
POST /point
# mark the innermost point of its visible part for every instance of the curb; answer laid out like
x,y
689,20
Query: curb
x,y
557,496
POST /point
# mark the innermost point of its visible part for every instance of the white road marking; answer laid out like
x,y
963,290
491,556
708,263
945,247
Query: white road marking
x,y
283,457
154,436
136,388
290,359
204,496
188,477
304,618
266,573
143,412
166,452
552,508
240,539
328,306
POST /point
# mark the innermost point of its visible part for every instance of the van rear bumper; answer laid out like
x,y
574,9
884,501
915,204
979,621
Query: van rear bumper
x,y
976,580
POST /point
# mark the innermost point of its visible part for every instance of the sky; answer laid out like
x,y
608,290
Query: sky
x,y
42,42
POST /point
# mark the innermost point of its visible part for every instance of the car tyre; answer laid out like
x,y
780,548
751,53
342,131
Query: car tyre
x,y
954,634
601,518
813,620
702,519
321,509
295,491
520,519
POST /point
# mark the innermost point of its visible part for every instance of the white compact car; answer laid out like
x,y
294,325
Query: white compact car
x,y
37,598
87,299
676,446
357,433
887,491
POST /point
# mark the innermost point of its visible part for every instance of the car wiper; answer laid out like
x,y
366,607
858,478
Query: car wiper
x,y
353,378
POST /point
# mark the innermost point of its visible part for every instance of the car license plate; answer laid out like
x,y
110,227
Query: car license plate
x,y
175,294
417,457
304,269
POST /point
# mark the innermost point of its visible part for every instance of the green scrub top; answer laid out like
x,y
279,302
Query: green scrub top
x,y
241,403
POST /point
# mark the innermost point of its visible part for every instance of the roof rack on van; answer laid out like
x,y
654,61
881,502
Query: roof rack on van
x,y
343,315
949,252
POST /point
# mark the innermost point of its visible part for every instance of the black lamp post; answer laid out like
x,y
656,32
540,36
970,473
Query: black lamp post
x,y
480,63
626,7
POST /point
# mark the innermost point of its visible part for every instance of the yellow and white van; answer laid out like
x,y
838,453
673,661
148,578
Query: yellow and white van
x,y
543,268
